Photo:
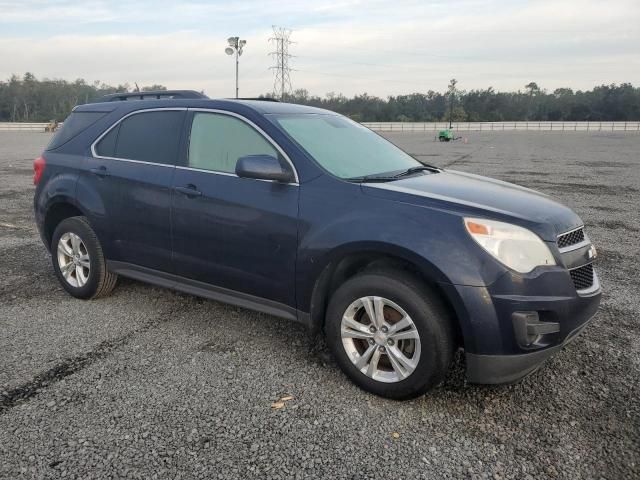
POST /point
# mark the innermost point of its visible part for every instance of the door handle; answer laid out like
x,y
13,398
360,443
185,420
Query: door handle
x,y
188,190
100,171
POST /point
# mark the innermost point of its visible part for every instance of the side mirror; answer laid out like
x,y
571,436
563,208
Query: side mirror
x,y
262,167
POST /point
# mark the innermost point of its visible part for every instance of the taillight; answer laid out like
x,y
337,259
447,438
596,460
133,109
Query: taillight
x,y
38,169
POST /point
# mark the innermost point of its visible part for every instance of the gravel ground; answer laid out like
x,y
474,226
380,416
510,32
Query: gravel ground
x,y
154,383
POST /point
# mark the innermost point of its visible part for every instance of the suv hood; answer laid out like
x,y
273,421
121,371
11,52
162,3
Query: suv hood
x,y
467,193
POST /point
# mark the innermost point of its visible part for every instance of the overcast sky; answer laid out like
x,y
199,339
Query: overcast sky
x,y
348,46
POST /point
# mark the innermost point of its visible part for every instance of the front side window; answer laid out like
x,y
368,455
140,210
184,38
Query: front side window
x,y
217,141
343,147
147,136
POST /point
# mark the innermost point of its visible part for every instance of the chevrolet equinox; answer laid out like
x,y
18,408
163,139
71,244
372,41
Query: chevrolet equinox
x,y
304,214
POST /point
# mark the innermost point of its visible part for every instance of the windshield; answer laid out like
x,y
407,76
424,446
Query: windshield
x,y
343,147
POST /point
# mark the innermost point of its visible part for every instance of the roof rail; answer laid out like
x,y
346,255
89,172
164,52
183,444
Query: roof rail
x,y
152,95
260,99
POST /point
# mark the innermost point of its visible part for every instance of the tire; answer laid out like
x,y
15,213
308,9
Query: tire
x,y
432,324
88,277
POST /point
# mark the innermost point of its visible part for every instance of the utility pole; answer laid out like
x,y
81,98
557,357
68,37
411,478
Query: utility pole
x,y
282,79
235,46
452,96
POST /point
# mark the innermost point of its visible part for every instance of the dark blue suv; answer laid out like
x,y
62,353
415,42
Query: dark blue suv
x,y
304,214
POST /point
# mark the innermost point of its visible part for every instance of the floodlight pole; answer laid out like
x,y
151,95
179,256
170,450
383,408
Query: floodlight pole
x,y
235,46
237,67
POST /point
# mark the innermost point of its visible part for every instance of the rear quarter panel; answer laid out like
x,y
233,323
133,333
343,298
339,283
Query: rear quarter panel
x,y
57,185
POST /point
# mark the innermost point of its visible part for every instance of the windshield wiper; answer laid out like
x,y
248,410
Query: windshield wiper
x,y
395,176
421,168
372,178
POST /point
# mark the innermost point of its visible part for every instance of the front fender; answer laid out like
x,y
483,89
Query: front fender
x,y
338,220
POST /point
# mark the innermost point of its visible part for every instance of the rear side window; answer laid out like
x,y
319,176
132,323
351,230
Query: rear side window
x,y
217,141
74,124
148,137
107,146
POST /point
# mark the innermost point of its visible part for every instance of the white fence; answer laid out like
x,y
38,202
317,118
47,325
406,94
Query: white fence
x,y
22,126
505,126
437,126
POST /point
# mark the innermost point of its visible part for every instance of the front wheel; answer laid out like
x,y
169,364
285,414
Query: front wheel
x,y
390,334
78,260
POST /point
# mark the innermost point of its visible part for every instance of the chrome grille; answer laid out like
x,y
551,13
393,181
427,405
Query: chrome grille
x,y
571,238
582,277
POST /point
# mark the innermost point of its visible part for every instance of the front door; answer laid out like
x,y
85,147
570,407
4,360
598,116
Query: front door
x,y
230,232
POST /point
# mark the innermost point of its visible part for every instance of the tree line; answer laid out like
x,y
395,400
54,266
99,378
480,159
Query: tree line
x,y
27,99
602,103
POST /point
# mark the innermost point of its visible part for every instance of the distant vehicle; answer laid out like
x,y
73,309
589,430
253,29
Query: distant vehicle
x,y
304,214
52,126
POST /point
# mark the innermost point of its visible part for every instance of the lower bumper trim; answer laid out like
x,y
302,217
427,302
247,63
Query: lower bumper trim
x,y
495,369
505,368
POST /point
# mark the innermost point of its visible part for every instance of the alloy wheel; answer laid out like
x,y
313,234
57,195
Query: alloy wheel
x,y
73,259
380,339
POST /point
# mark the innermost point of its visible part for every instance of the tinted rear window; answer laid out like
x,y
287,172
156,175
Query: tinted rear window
x,y
148,137
74,124
107,146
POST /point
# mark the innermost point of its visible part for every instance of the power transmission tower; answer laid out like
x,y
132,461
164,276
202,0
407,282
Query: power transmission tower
x,y
282,79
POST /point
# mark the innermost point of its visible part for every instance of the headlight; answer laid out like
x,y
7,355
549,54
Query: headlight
x,y
516,247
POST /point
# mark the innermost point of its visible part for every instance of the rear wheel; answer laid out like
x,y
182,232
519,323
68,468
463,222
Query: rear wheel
x,y
390,334
78,260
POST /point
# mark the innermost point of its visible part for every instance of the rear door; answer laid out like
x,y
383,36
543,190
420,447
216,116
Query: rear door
x,y
231,232
134,163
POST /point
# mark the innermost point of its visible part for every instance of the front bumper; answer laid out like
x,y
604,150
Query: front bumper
x,y
511,368
511,327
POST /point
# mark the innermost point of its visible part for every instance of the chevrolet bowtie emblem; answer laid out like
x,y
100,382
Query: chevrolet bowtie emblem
x,y
592,253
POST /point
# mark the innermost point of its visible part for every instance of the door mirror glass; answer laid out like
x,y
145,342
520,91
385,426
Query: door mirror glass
x,y
263,167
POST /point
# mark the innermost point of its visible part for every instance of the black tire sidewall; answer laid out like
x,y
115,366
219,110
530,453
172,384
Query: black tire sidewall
x,y
429,316
78,226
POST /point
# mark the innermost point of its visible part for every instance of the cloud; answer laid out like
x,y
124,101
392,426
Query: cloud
x,y
348,46
178,60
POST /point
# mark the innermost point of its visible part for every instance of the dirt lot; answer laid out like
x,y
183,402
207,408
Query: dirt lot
x,y
153,382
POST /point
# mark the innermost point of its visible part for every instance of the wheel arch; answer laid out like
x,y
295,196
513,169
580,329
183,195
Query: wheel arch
x,y
346,262
58,210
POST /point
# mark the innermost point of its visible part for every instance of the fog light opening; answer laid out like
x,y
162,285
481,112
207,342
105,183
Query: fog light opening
x,y
530,332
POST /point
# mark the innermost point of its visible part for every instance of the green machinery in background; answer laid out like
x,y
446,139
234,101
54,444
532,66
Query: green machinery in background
x,y
446,135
